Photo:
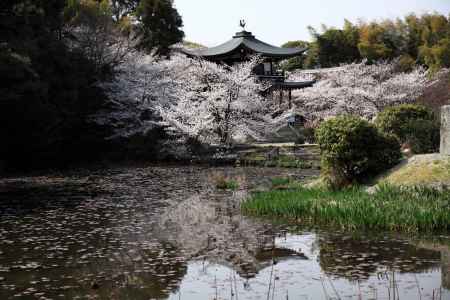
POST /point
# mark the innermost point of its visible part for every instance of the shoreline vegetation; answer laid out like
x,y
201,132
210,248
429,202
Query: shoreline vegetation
x,y
392,208
412,197
408,196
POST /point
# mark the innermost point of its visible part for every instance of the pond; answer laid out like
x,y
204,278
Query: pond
x,y
154,232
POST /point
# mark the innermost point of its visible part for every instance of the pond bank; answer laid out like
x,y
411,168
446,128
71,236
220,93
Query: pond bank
x,y
277,155
428,170
280,155
413,196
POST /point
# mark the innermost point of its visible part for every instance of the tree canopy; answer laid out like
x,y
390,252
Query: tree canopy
x,y
160,25
53,53
423,39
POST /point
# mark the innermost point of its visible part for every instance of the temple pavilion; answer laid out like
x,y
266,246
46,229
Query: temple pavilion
x,y
242,46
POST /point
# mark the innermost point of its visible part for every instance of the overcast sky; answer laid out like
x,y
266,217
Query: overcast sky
x,y
211,22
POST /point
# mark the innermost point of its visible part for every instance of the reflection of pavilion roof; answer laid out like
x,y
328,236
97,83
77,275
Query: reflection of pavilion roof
x,y
279,254
244,41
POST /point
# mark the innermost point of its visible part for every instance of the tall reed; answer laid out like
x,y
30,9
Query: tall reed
x,y
390,208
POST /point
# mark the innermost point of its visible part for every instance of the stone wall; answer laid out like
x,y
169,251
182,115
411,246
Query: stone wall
x,y
445,130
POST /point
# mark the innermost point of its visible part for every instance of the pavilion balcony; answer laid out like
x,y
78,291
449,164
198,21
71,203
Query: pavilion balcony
x,y
272,76
242,46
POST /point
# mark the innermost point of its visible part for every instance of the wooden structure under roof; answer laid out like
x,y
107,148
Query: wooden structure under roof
x,y
244,45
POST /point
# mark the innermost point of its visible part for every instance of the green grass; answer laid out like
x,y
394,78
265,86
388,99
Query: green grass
x,y
391,208
421,171
283,183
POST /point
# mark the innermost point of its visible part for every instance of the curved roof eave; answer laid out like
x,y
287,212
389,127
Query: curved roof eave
x,y
270,50
224,48
249,42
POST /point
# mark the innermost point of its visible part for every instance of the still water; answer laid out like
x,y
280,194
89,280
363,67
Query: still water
x,y
167,233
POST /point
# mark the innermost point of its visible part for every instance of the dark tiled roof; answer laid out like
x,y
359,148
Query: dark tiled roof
x,y
245,39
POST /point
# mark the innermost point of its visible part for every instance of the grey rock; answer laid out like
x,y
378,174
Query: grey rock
x,y
372,189
445,130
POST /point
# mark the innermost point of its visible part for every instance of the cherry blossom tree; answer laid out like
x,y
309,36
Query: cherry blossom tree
x,y
358,89
218,104
191,98
209,103
140,83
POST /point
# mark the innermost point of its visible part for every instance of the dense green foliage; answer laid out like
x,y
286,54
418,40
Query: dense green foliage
x,y
421,39
414,125
47,89
52,54
161,25
335,46
295,62
353,150
390,208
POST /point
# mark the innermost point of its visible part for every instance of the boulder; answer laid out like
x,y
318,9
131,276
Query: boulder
x,y
445,130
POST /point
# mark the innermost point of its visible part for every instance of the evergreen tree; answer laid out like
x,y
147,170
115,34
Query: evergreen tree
x,y
421,39
295,62
160,25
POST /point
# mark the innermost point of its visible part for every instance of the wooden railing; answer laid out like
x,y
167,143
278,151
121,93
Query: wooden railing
x,y
275,76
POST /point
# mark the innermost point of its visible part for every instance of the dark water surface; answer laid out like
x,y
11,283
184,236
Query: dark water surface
x,y
167,233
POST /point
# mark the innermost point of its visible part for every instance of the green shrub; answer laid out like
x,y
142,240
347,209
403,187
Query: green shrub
x,y
353,150
414,125
424,136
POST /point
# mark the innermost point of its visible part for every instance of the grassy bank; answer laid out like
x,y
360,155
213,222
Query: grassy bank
x,y
432,170
390,208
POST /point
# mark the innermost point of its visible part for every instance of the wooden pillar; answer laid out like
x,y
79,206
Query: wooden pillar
x,y
290,98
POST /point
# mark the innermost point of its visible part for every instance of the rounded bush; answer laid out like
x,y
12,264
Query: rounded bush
x,y
415,125
424,136
353,150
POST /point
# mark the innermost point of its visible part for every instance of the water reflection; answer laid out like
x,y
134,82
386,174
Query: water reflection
x,y
165,232
357,258
301,279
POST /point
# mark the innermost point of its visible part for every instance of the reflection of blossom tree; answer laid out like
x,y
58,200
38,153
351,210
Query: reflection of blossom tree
x,y
201,230
216,231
